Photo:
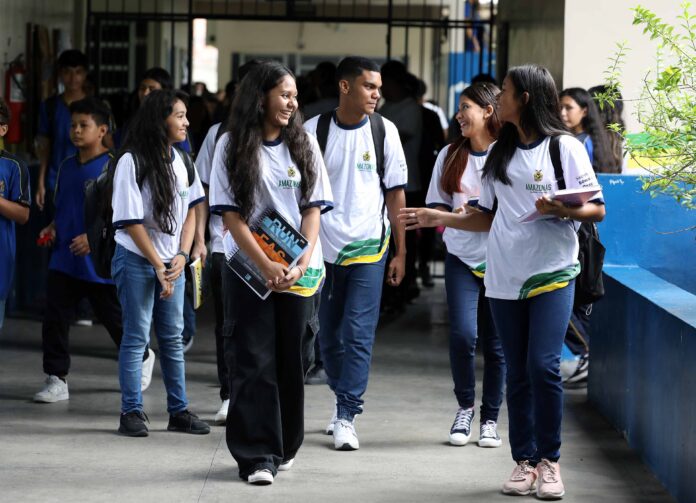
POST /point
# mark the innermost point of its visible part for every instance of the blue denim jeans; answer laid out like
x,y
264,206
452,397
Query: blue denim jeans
x,y
348,319
532,332
466,303
139,291
2,312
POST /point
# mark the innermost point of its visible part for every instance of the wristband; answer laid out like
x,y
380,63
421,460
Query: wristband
x,y
185,255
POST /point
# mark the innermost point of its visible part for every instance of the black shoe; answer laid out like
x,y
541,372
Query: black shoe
x,y
426,278
317,376
132,424
187,422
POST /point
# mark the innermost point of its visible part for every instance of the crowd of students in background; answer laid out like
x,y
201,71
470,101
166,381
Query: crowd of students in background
x,y
367,190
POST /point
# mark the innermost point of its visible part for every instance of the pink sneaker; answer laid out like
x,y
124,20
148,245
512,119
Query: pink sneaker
x,y
522,480
550,486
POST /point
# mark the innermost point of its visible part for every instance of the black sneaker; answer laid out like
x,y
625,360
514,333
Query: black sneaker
x,y
187,422
132,424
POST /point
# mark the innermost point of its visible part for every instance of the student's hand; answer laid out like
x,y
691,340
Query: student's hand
x,y
274,273
199,250
547,206
291,277
396,270
40,196
47,236
417,218
176,267
461,209
167,286
80,246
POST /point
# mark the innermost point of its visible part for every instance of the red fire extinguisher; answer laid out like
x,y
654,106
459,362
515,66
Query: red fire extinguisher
x,y
15,99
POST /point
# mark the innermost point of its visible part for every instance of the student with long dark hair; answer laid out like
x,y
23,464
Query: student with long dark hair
x,y
530,267
456,185
612,114
267,160
153,204
581,116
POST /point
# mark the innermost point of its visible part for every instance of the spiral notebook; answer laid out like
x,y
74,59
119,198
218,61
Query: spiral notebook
x,y
279,240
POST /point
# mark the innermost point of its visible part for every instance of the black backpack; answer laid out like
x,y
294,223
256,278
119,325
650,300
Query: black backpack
x,y
98,212
589,285
378,137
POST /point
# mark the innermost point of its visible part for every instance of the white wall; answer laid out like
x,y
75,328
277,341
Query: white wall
x,y
328,39
15,14
592,29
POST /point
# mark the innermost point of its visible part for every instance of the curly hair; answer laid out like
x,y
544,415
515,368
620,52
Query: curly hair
x,y
147,140
245,126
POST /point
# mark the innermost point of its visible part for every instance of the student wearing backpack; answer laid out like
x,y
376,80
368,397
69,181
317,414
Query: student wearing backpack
x,y
54,143
455,186
15,200
71,275
153,211
530,267
266,160
367,169
581,116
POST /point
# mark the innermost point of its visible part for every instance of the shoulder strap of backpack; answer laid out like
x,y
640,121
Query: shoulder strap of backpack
x,y
188,162
555,151
323,126
378,136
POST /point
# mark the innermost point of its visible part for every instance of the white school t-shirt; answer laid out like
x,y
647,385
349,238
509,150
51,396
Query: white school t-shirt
x,y
528,259
204,165
133,205
469,247
280,190
351,233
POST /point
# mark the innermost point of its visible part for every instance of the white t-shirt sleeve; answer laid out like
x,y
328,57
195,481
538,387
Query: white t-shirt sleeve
x,y
577,168
487,198
436,196
196,192
222,198
126,200
321,196
204,161
395,171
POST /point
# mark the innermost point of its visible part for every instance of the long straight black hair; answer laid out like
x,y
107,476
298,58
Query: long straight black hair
x,y
147,139
245,126
593,126
541,116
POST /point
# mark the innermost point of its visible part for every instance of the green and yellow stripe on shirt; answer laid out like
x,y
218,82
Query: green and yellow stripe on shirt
x,y
366,251
309,283
548,282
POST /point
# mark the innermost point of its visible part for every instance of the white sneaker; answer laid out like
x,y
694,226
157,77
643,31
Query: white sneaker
x,y
332,423
221,416
345,438
261,478
148,367
286,465
488,435
460,432
55,390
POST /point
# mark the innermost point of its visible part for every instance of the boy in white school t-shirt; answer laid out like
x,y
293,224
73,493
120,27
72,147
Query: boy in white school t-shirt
x,y
355,237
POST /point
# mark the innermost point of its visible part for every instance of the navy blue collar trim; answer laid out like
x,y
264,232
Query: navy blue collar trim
x,y
478,154
352,126
273,143
532,145
77,156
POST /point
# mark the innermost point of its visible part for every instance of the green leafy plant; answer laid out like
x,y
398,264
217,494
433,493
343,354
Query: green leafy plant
x,y
666,108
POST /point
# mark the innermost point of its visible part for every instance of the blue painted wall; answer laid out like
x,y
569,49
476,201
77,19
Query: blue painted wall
x,y
643,366
632,229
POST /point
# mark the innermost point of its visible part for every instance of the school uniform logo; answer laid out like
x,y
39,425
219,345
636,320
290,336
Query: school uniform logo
x,y
366,165
538,175
290,182
2,188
